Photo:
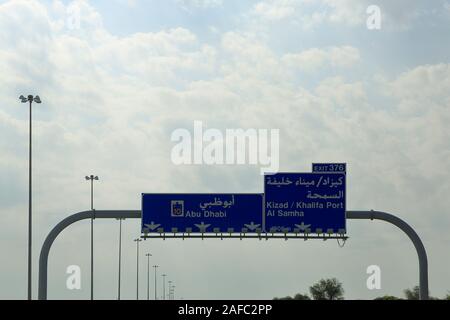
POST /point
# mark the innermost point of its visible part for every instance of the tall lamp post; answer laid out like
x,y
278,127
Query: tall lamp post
x,y
155,266
173,292
91,178
148,255
170,289
30,99
120,255
164,285
137,267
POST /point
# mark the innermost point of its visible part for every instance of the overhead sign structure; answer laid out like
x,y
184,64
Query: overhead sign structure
x,y
292,203
201,213
305,203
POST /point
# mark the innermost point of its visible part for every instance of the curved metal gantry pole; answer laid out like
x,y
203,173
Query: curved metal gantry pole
x,y
406,228
43,258
136,214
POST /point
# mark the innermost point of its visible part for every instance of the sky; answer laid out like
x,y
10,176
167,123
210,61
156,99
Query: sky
x,y
118,77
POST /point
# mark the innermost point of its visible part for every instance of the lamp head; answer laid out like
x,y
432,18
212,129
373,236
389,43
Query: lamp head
x,y
23,99
37,99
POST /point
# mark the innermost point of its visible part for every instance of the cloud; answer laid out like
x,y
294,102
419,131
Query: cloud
x,y
129,3
316,58
202,4
396,15
111,103
423,82
275,10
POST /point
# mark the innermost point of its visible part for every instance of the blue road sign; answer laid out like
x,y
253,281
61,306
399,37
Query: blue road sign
x,y
329,167
305,203
201,213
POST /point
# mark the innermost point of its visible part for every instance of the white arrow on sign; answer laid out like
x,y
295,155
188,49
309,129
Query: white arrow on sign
x,y
152,226
202,227
303,226
252,226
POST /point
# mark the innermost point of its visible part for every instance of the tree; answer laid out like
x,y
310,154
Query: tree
x,y
387,297
284,298
412,294
300,296
327,289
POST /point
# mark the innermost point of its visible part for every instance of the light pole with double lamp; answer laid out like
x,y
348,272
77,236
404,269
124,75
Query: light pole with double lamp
x,y
173,292
148,255
30,99
137,266
164,286
156,267
169,295
120,255
92,178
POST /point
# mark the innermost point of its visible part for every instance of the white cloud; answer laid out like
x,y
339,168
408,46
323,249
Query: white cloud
x,y
200,3
316,58
396,15
275,9
423,82
110,104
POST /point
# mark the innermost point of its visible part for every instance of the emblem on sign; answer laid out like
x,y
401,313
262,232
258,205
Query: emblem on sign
x,y
177,208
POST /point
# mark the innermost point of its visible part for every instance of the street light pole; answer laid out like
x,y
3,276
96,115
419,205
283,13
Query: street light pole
x,y
148,275
164,286
30,99
155,266
170,290
137,267
91,178
120,255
